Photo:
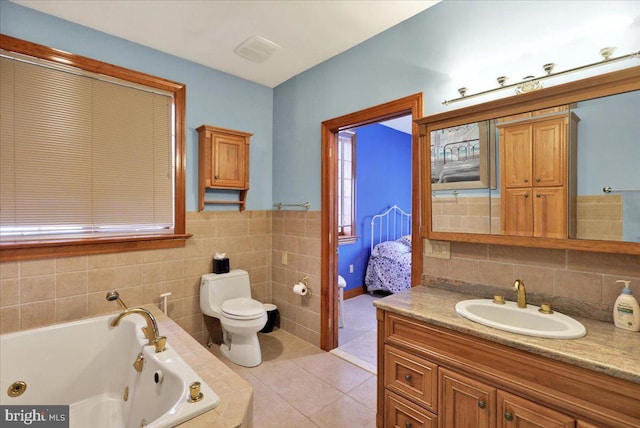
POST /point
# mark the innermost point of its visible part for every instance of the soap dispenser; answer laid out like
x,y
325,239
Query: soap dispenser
x,y
626,311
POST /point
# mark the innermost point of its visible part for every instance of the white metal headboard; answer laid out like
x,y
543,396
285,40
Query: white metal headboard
x,y
390,225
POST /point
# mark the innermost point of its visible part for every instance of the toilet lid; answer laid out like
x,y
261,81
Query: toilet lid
x,y
243,307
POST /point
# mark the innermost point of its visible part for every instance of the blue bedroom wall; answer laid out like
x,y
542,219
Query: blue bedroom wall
x,y
383,179
213,97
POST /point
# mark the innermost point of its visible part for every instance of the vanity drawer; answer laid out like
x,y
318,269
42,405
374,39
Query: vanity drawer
x,y
412,377
402,413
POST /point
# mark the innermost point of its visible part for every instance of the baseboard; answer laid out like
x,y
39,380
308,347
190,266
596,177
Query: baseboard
x,y
353,292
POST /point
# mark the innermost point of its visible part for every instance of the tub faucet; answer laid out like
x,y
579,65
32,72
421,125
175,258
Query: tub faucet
x,y
151,331
518,285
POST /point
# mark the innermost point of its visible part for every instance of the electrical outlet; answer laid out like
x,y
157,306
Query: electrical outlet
x,y
350,268
285,258
437,249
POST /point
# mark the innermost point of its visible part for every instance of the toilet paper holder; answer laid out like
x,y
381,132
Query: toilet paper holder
x,y
302,287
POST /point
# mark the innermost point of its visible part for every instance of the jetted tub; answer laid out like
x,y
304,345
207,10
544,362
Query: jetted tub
x,y
88,365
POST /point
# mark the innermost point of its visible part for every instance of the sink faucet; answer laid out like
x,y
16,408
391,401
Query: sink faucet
x,y
151,331
518,285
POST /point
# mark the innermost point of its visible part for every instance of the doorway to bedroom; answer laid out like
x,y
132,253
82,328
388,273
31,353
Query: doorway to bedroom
x,y
374,225
381,142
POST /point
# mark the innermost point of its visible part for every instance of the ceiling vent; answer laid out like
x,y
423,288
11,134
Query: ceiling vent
x,y
256,49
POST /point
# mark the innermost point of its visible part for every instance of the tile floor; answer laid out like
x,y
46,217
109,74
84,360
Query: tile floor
x,y
357,339
299,385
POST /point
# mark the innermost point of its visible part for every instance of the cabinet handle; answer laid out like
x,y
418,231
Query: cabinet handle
x,y
217,177
526,195
526,180
407,377
538,195
508,416
538,180
482,404
407,425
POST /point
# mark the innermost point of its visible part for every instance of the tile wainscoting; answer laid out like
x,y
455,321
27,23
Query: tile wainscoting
x,y
586,278
49,291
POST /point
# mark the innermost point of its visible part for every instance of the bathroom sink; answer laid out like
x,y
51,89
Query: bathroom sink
x,y
528,321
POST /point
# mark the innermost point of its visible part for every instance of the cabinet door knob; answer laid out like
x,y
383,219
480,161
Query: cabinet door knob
x,y
407,377
407,424
216,177
538,195
482,404
538,180
526,180
526,195
508,416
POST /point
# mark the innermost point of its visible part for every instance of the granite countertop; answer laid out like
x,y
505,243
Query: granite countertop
x,y
605,348
236,394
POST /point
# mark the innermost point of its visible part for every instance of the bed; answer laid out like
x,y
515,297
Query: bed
x,y
458,162
389,265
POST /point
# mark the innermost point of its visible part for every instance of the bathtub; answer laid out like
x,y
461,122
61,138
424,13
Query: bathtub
x,y
88,365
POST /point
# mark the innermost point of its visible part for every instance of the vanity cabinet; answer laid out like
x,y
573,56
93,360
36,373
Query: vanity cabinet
x,y
432,376
481,405
535,181
465,399
514,411
223,163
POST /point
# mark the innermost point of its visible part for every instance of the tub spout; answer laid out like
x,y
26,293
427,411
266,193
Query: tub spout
x,y
153,335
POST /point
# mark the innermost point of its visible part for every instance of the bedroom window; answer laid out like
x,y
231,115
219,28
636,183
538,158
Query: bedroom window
x,y
346,187
88,160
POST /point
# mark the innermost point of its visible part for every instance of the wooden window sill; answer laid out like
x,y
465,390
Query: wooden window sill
x,y
16,251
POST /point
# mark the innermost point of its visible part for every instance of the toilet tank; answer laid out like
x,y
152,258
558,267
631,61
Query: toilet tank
x,y
217,288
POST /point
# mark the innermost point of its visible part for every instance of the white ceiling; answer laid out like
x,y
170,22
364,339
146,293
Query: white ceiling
x,y
207,31
402,124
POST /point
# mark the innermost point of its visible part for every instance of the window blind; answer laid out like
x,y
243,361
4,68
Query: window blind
x,y
82,157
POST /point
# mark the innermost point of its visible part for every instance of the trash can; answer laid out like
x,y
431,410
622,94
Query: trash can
x,y
272,313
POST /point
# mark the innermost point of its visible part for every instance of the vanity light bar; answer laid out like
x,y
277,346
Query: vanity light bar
x,y
530,80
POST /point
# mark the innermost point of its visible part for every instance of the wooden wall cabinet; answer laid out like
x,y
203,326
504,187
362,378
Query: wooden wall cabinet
x,y
223,163
536,179
430,376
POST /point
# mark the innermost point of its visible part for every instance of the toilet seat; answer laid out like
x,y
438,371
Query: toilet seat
x,y
242,308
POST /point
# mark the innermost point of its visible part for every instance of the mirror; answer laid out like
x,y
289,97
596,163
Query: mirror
x,y
460,156
531,169
608,174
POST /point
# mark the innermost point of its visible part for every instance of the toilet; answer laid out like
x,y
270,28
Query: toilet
x,y
227,297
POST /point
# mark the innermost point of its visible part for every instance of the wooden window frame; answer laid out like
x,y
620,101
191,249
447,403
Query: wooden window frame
x,y
347,234
15,251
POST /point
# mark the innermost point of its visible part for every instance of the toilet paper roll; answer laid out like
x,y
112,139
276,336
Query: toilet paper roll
x,y
300,289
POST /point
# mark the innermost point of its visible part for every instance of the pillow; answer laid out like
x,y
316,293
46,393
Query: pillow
x,y
406,239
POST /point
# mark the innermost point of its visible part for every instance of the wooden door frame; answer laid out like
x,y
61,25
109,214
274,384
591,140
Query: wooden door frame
x,y
412,105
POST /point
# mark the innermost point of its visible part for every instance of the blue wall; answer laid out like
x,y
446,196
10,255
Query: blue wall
x,y
608,150
383,179
471,39
417,55
608,145
213,97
